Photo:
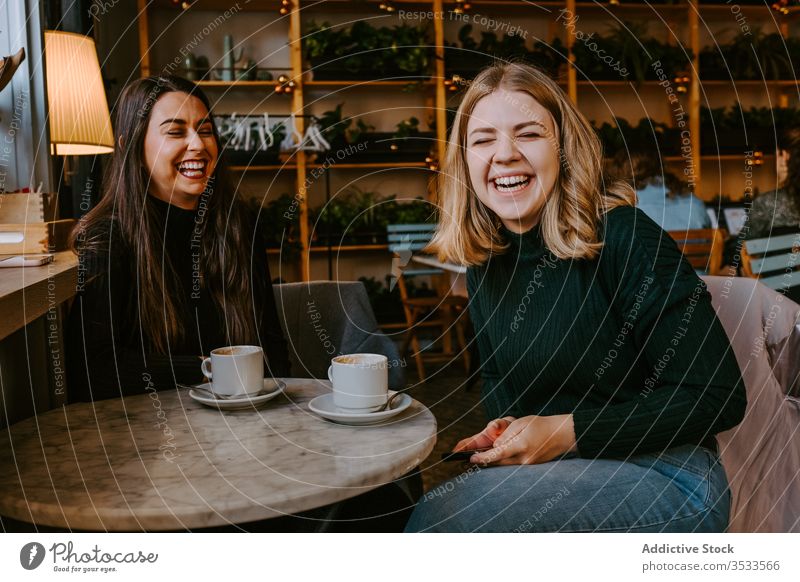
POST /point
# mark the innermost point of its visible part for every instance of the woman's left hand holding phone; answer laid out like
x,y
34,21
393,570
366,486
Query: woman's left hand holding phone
x,y
486,438
522,441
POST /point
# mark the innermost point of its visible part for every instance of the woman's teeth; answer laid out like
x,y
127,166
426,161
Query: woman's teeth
x,y
194,169
508,184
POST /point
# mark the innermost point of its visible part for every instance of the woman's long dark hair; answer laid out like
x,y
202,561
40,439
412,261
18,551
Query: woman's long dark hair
x,y
125,208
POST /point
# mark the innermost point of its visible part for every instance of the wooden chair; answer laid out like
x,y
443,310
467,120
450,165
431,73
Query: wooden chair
x,y
702,247
443,311
774,261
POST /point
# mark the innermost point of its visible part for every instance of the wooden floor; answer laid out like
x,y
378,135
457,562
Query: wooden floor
x,y
459,413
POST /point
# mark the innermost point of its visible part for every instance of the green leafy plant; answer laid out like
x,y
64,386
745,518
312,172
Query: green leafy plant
x,y
357,133
407,128
469,56
646,135
338,130
331,124
279,222
752,55
416,211
735,129
358,213
363,49
735,117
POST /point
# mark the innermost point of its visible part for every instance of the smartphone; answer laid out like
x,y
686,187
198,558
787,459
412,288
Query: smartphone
x,y
461,455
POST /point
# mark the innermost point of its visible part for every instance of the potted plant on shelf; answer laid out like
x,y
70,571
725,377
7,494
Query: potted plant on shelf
x,y
647,135
360,217
279,223
752,55
734,130
342,132
631,52
468,59
348,219
406,144
415,211
364,52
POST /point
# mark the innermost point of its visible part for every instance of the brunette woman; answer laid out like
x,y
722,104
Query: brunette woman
x,y
605,369
778,211
171,266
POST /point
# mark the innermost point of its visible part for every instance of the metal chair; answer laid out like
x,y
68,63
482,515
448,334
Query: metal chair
x,y
442,311
774,261
702,247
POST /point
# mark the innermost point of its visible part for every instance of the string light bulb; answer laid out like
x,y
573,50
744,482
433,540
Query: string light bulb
x,y
781,6
682,82
453,83
387,5
285,84
286,7
757,159
461,7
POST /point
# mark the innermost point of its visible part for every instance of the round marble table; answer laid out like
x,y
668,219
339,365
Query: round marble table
x,y
161,461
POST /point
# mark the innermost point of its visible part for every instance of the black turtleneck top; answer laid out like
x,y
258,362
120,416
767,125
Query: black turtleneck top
x,y
108,354
628,342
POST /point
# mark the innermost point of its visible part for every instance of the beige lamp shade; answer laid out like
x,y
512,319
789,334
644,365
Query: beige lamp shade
x,y
78,109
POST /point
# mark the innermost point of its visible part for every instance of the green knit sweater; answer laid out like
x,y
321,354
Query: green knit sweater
x,y
628,342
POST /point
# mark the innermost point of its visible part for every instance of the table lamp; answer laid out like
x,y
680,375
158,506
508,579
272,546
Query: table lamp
x,y
78,110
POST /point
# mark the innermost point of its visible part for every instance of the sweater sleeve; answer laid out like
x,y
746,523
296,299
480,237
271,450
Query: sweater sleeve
x,y
101,363
761,215
694,387
496,401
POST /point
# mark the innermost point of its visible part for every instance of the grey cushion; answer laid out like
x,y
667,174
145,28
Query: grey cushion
x,y
324,319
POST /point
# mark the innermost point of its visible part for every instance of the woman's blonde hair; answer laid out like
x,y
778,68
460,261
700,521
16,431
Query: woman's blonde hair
x,y
468,232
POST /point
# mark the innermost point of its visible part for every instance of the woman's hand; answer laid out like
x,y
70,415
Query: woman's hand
x,y
529,440
486,438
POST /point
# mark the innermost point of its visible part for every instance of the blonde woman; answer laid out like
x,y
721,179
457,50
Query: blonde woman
x,y
605,369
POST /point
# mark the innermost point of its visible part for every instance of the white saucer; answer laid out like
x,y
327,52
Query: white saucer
x,y
324,407
242,403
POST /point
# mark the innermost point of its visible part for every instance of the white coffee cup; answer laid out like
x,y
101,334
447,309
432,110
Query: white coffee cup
x,y
360,382
235,370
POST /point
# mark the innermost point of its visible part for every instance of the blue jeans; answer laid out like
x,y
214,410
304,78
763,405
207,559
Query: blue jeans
x,y
683,489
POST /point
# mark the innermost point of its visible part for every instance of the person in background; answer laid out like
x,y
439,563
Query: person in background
x,y
605,370
660,194
778,211
170,264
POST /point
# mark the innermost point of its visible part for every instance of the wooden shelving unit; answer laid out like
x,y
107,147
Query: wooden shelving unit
x,y
689,13
342,166
339,249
